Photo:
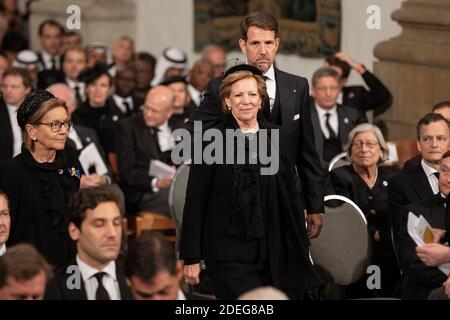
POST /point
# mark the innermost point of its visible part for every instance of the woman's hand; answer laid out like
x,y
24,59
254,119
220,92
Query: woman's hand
x,y
192,273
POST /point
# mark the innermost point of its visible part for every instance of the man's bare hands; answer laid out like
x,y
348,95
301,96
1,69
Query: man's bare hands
x,y
315,222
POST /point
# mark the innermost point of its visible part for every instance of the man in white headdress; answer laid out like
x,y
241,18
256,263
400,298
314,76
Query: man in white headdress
x,y
173,62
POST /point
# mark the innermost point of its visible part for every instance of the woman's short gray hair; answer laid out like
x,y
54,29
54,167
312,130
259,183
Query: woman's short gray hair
x,y
367,127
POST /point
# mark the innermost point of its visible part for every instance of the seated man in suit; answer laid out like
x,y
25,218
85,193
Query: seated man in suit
x,y
332,122
421,274
201,73
152,270
378,97
15,87
95,224
419,181
23,274
141,138
5,222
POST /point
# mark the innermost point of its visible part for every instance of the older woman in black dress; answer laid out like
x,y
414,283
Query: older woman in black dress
x,y
40,180
248,227
365,182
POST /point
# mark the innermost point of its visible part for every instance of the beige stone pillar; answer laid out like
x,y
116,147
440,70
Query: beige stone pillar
x,y
415,65
101,20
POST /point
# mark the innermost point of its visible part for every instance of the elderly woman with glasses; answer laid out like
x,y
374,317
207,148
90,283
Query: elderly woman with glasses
x,y
365,182
40,180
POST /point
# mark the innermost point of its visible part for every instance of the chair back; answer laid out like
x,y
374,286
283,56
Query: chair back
x,y
339,160
341,253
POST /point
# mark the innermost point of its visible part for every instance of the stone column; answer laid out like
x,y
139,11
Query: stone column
x,y
415,65
101,20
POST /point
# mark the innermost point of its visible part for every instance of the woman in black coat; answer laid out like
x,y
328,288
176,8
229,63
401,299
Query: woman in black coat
x,y
40,180
248,226
365,182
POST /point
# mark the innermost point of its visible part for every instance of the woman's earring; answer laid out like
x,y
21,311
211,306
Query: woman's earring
x,y
34,140
228,107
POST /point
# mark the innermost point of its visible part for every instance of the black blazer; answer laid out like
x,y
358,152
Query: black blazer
x,y
296,126
347,118
57,288
378,97
6,134
408,186
136,146
419,279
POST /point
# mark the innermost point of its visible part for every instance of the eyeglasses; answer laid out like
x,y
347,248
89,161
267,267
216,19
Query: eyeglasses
x,y
55,126
369,144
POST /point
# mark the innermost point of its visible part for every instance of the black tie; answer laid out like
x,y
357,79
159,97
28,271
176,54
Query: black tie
x,y
101,293
154,131
78,94
327,124
436,174
127,107
53,63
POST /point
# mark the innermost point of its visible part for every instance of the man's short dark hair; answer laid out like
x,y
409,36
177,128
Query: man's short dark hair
x,y
260,19
148,255
52,23
23,73
147,57
88,198
336,62
324,72
430,118
22,262
441,105
445,155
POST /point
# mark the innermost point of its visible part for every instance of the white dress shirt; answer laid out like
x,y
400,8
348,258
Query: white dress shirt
x,y
181,295
109,280
81,88
432,179
3,250
73,135
271,85
16,131
334,122
47,59
196,95
165,137
119,103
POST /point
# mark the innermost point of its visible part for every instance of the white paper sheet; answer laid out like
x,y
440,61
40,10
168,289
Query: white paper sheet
x,y
90,156
160,170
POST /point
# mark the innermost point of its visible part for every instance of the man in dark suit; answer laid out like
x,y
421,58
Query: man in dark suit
x,y
95,224
331,121
378,97
15,87
143,137
50,34
421,274
287,105
74,62
419,181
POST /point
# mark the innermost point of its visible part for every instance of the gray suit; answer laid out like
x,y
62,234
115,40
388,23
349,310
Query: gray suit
x,y
347,118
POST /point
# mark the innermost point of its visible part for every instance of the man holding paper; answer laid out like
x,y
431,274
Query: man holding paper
x,y
141,140
421,276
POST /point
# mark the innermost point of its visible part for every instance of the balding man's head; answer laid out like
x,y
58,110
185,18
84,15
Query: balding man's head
x,y
217,56
158,106
63,92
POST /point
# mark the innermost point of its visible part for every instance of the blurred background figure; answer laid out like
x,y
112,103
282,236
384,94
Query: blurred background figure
x,y
173,62
29,61
144,65
183,104
122,54
23,274
217,56
97,53
5,221
71,40
198,77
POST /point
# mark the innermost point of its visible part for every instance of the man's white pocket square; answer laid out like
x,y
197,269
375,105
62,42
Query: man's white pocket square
x,y
297,116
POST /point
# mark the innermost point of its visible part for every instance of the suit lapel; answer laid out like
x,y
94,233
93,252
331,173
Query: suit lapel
x,y
318,136
420,183
344,124
287,99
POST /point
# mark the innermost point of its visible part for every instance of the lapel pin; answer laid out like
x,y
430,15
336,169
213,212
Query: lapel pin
x,y
346,120
295,90
60,171
115,117
385,183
